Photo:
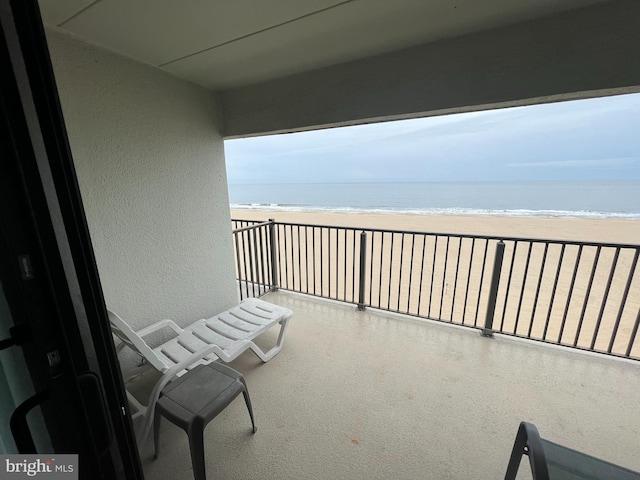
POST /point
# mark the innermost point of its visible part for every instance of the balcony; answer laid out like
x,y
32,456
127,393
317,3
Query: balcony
x,y
371,394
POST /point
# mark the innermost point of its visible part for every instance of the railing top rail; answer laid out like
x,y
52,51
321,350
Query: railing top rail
x,y
250,227
458,235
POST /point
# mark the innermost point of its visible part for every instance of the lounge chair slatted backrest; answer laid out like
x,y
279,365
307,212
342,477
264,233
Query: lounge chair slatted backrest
x,y
134,341
224,336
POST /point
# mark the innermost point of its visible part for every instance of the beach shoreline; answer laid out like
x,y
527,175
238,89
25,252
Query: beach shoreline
x,y
578,229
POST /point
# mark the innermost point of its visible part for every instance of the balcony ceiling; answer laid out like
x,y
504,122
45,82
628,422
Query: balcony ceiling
x,y
223,44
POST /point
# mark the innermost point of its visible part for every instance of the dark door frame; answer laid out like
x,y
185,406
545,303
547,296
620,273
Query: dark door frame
x,y
64,254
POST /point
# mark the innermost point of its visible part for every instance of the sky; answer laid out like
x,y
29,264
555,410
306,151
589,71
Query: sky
x,y
594,139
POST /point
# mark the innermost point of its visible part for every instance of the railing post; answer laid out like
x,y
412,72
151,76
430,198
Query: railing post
x,y
274,255
487,331
363,269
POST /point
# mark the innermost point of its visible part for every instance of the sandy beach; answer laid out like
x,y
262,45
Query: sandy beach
x,y
560,228
442,278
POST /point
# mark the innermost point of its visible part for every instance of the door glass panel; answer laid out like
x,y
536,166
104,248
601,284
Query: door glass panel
x,y
15,388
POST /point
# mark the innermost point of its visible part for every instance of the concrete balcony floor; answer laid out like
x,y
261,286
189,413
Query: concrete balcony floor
x,y
368,395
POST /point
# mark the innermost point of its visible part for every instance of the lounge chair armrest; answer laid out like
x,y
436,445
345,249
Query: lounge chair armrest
x,y
154,327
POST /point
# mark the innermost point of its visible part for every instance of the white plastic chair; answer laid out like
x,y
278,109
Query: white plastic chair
x,y
224,336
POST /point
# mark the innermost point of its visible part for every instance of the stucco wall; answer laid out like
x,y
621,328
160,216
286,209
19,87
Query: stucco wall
x,y
150,162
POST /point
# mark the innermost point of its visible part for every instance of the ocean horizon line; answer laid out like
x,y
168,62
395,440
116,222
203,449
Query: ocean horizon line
x,y
603,199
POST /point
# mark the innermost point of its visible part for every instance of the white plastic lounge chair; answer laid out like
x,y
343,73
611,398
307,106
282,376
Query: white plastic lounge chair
x,y
224,336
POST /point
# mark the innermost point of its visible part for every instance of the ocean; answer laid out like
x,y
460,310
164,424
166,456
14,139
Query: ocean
x,y
594,199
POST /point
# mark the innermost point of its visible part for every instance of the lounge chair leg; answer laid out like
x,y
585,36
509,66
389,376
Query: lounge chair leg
x,y
266,356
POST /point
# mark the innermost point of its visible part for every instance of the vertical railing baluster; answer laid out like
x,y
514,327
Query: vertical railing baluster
x,y
256,261
424,247
244,260
570,293
293,257
390,271
344,266
605,297
587,294
540,277
248,257
291,264
524,284
363,268
433,273
299,261
268,268
279,228
353,273
484,264
286,258
455,280
274,253
373,239
258,258
623,300
444,276
380,272
337,266
293,260
253,258
506,292
400,271
329,262
413,243
321,263
487,331
553,292
235,238
266,256
466,292
306,259
313,256
634,333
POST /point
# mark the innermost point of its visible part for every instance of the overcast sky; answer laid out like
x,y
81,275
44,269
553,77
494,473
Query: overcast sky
x,y
597,139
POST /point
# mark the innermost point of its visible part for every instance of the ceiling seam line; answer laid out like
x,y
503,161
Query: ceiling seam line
x,y
255,33
79,12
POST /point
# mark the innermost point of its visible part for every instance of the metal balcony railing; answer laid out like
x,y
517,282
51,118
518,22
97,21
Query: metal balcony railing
x,y
583,295
254,257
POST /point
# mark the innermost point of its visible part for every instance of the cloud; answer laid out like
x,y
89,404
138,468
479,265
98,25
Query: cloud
x,y
598,162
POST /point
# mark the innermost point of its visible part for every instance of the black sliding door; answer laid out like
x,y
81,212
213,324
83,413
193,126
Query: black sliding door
x,y
60,388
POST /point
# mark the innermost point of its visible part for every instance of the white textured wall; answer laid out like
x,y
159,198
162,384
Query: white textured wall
x,y
150,163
